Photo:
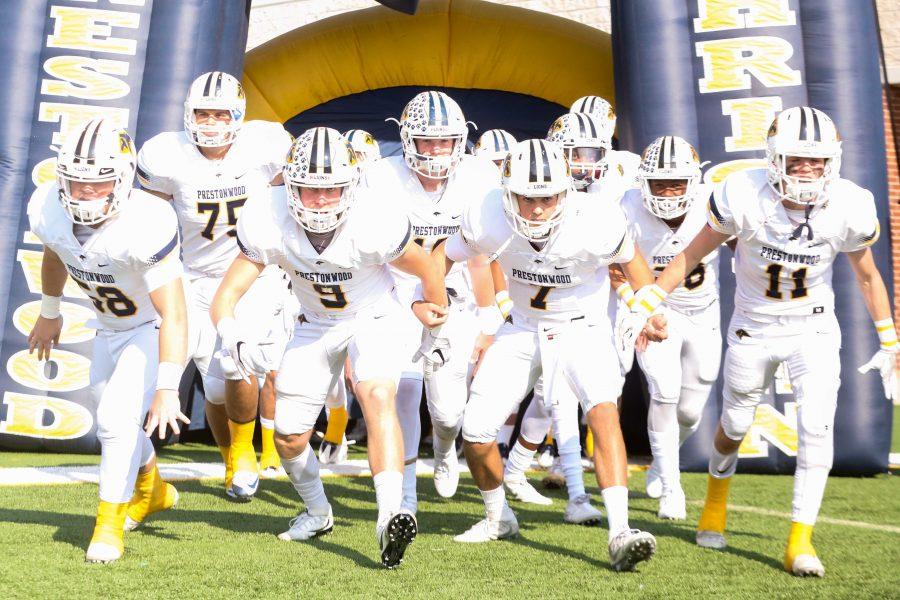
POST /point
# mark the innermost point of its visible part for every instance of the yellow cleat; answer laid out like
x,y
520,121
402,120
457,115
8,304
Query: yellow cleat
x,y
151,495
711,528
245,477
800,557
106,543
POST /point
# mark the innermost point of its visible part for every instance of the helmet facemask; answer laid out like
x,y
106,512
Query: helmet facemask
x,y
530,229
802,190
588,164
669,207
433,166
215,135
319,220
433,115
214,91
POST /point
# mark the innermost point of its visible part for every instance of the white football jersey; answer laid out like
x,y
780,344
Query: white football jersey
x,y
624,165
433,216
775,274
350,275
568,276
124,259
208,195
612,186
659,244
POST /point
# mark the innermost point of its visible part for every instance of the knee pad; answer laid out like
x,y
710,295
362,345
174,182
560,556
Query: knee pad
x,y
816,443
737,416
534,426
296,415
214,389
475,430
112,423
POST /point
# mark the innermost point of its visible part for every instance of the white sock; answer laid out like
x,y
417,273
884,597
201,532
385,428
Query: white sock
x,y
267,423
303,471
443,448
494,501
573,472
664,445
410,499
504,434
685,432
518,462
388,493
616,501
722,465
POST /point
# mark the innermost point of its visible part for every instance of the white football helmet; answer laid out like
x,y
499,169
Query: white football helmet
x,y
597,106
669,157
433,115
585,145
365,146
321,158
534,169
97,153
807,132
214,91
494,144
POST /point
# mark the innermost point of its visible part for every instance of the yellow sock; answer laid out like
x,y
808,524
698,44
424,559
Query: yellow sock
x,y
243,456
110,525
715,510
549,439
269,457
225,451
799,542
337,425
151,495
589,443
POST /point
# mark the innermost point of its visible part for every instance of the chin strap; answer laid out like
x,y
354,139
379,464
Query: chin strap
x,y
804,225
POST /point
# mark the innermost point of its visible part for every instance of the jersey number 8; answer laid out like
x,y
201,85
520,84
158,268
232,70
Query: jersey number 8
x,y
111,299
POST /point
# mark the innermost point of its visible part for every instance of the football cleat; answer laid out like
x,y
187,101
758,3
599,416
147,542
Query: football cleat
x,y
488,530
711,539
446,475
306,526
331,453
523,491
580,511
243,486
672,506
807,565
629,548
394,536
545,456
170,501
654,482
102,553
555,479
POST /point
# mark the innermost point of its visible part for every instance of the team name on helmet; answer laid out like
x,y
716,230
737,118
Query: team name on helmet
x,y
97,153
320,158
433,115
214,91
535,168
585,143
669,158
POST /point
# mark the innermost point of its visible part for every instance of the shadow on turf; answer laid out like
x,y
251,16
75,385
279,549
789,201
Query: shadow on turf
x,y
72,529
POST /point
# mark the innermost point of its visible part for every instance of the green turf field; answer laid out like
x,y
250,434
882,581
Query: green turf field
x,y
213,548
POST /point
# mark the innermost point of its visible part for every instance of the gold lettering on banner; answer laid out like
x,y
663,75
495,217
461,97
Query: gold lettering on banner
x,y
750,120
67,373
85,77
771,427
728,64
717,15
719,172
74,316
26,416
91,30
31,268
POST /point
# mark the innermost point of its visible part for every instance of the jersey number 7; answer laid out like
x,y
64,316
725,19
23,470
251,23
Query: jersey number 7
x,y
213,208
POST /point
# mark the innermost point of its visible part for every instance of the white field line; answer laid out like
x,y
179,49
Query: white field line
x,y
783,515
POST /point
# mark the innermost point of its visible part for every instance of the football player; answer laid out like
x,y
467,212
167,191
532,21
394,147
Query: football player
x,y
120,246
335,247
791,220
208,169
554,245
663,216
494,144
364,145
625,164
432,183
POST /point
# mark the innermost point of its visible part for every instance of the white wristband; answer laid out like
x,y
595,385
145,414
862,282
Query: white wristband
x,y
168,376
648,298
50,306
489,319
504,302
625,292
887,333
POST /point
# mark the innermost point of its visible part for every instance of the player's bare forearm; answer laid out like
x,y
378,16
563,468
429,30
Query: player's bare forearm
x,y
636,271
238,279
416,261
482,280
498,277
616,276
871,284
53,274
169,302
703,243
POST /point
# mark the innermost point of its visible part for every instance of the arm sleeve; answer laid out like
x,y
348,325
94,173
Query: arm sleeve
x,y
151,173
619,246
863,228
249,232
719,214
398,236
159,254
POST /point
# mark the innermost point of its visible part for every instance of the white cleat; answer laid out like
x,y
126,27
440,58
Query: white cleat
x,y
523,491
487,530
654,482
100,553
711,539
580,511
306,526
331,453
545,458
244,485
807,565
394,536
631,547
446,476
672,505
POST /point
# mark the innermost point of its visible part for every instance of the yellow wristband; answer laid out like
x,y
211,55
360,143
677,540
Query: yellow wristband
x,y
626,293
887,334
648,298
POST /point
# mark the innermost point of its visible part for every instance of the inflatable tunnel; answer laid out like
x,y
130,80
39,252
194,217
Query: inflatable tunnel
x,y
712,71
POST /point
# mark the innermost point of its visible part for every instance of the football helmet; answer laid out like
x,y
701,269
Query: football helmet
x,y
669,157
806,132
433,115
534,169
98,153
214,91
321,158
494,144
365,146
600,108
584,144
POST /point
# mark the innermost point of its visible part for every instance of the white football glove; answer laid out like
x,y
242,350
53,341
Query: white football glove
x,y
628,327
884,362
434,350
249,358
